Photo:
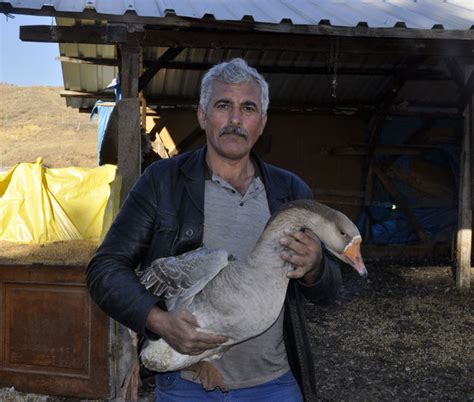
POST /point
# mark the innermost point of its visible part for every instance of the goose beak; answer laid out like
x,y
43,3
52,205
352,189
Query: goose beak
x,y
352,256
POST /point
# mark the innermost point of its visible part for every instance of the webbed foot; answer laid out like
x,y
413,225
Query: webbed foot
x,y
129,390
210,377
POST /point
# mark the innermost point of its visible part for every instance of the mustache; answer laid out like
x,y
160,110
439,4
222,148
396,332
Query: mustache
x,y
230,129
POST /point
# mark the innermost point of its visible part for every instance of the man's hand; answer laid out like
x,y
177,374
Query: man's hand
x,y
179,330
304,253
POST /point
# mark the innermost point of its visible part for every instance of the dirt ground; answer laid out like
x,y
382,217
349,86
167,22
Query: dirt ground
x,y
403,334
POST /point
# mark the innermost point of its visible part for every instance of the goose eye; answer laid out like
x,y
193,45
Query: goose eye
x,y
342,233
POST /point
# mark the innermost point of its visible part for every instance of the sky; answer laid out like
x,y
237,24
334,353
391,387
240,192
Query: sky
x,y
27,63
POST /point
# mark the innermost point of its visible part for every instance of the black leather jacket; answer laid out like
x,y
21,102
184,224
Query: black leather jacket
x,y
163,216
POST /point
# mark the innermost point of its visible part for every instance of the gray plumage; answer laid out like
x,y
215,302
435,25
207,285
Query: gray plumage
x,y
178,279
240,299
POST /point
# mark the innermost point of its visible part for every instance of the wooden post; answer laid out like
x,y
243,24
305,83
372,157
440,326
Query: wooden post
x,y
369,189
143,101
129,148
129,137
464,234
129,69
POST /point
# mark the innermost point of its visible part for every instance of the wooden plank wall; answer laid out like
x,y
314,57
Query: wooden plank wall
x,y
54,339
302,144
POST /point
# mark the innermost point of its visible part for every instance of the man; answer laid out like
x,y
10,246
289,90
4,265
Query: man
x,y
220,196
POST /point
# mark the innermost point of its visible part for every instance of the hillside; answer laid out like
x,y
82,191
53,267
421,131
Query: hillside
x,y
35,122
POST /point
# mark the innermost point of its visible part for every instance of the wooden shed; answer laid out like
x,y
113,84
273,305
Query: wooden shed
x,y
371,102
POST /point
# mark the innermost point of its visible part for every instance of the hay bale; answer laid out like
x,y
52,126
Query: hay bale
x,y
74,252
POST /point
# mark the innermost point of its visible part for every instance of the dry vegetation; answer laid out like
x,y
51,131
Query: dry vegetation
x,y
404,334
35,122
75,252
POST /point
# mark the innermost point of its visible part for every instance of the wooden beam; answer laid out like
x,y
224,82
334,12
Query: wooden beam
x,y
339,192
331,199
464,233
319,40
339,196
469,122
425,113
129,69
385,102
65,93
95,34
399,202
428,74
455,71
189,140
466,87
169,55
421,111
143,102
97,61
303,42
423,74
415,137
129,143
383,150
467,92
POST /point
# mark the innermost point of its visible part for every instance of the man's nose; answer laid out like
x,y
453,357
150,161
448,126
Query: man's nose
x,y
235,116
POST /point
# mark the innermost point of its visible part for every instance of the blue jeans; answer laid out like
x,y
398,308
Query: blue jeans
x,y
170,387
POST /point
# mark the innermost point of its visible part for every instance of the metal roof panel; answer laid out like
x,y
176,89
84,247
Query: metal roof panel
x,y
421,14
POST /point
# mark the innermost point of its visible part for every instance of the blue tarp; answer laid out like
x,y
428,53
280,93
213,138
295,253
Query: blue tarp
x,y
389,224
104,110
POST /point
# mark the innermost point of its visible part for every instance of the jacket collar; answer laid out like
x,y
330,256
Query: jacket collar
x,y
275,190
194,170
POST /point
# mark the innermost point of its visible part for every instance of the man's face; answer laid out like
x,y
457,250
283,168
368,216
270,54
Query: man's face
x,y
233,120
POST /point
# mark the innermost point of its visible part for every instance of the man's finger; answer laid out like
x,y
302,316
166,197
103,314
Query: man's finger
x,y
297,273
211,338
294,259
301,236
201,347
294,245
312,235
187,317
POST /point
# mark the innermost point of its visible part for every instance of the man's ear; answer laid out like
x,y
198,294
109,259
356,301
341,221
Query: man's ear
x,y
201,115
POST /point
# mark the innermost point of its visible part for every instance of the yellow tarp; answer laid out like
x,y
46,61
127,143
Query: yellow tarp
x,y
42,205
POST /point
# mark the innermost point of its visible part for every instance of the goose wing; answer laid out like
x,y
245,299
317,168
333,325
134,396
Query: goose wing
x,y
179,279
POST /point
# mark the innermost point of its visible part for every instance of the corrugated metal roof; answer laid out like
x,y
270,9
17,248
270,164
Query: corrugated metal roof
x,y
328,87
421,14
332,89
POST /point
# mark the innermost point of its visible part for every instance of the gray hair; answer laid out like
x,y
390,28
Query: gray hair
x,y
234,71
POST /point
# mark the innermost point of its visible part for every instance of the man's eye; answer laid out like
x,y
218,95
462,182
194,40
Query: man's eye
x,y
248,109
222,106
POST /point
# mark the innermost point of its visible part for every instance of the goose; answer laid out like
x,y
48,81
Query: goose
x,y
235,298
